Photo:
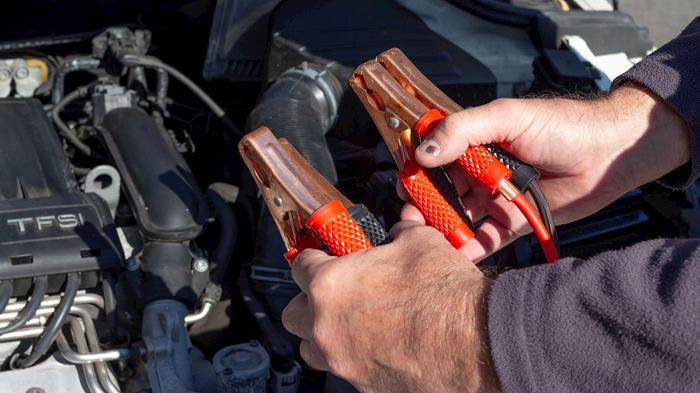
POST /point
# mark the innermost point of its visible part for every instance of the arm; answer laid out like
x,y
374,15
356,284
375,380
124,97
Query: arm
x,y
623,321
411,316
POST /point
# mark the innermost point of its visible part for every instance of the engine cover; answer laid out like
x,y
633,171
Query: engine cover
x,y
47,226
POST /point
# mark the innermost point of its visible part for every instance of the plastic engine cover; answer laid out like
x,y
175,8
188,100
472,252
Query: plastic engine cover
x,y
47,226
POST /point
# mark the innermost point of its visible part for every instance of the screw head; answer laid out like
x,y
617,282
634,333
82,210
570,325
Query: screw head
x,y
394,122
132,264
277,201
35,390
200,265
5,75
22,73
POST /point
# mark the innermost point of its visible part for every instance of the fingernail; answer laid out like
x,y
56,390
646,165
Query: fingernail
x,y
430,147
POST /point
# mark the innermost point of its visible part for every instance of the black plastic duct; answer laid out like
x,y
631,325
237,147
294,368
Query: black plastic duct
x,y
302,105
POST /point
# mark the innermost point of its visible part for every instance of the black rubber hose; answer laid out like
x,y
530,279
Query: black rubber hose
x,y
40,285
66,131
301,106
5,294
228,231
281,350
59,317
108,291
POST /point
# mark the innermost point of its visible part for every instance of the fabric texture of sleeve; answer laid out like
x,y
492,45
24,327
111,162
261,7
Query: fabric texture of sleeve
x,y
623,321
673,73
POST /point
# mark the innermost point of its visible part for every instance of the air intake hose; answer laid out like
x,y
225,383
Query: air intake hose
x,y
302,105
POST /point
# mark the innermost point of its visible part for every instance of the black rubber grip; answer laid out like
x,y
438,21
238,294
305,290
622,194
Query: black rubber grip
x,y
523,174
447,189
373,229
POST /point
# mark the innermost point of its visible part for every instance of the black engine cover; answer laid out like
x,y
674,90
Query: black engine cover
x,y
47,226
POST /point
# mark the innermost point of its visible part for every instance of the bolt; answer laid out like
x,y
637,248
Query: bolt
x,y
200,265
132,264
5,75
35,390
394,122
278,201
22,73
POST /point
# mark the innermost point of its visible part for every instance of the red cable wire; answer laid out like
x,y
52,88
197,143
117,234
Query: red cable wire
x,y
546,242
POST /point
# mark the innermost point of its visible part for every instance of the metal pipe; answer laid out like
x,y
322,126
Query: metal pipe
x,y
88,369
201,314
53,301
22,334
104,374
91,332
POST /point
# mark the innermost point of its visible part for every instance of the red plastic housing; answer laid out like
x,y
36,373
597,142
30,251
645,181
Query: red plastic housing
x,y
338,231
478,162
432,204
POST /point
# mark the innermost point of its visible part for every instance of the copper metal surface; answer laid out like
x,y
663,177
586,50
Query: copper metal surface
x,y
290,186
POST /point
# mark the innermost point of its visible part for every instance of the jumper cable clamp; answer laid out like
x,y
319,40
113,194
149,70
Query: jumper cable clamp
x,y
308,210
400,100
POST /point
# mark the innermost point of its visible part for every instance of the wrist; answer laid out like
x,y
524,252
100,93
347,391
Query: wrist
x,y
652,139
475,371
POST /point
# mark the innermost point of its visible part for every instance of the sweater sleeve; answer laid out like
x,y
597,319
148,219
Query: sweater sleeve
x,y
673,73
624,321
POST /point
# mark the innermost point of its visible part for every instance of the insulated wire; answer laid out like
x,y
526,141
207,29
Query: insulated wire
x,y
57,320
538,227
40,285
545,212
153,62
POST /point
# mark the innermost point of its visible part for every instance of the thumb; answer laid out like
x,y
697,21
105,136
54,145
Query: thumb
x,y
494,122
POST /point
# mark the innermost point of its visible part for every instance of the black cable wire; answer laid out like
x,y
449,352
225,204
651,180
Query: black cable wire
x,y
545,212
616,5
56,323
66,131
40,285
5,294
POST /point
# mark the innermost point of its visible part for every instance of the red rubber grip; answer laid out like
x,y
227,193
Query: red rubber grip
x,y
478,162
432,204
338,231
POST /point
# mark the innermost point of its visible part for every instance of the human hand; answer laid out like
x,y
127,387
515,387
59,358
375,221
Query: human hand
x,y
405,317
590,152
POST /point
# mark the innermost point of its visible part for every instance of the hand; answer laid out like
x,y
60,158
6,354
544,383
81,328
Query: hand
x,y
590,152
405,317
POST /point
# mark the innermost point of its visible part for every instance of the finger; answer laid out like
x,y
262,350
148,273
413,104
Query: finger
x,y
411,213
490,237
478,201
297,317
498,121
401,227
463,183
312,355
305,266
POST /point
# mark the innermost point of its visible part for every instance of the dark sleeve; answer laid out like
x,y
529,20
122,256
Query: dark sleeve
x,y
624,321
673,73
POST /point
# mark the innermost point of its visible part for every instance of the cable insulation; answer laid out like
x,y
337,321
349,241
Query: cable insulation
x,y
40,285
537,225
545,212
57,320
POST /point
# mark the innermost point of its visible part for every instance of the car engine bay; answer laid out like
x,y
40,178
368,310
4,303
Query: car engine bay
x,y
136,254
